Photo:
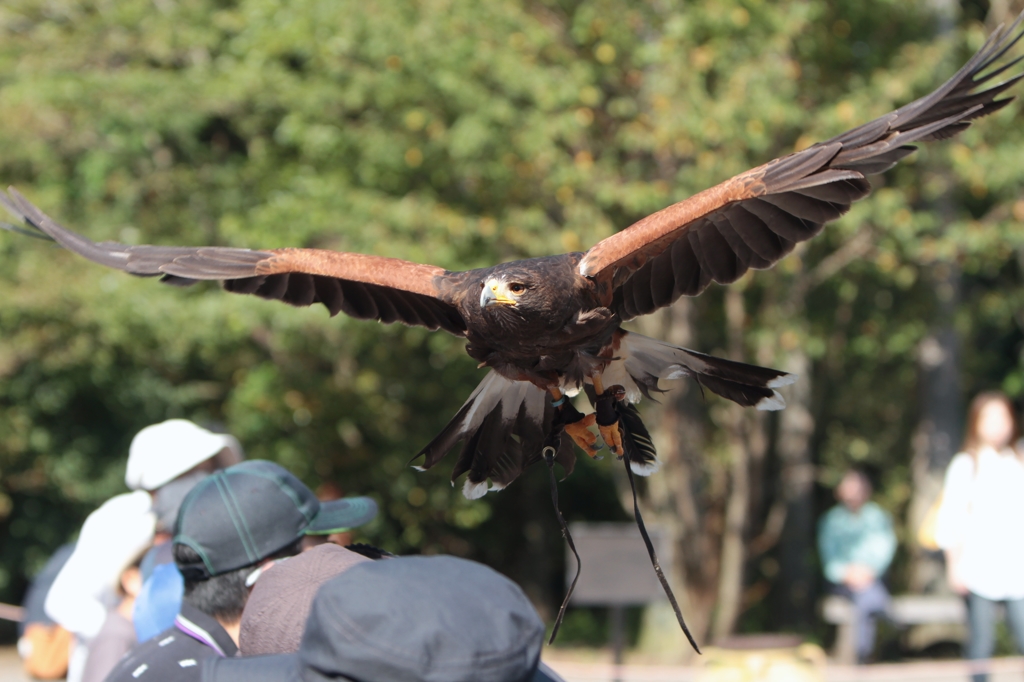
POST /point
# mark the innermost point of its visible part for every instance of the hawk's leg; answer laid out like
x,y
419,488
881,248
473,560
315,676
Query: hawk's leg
x,y
575,423
606,417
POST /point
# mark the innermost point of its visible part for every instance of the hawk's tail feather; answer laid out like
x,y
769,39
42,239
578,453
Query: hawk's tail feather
x,y
502,427
643,361
745,394
636,440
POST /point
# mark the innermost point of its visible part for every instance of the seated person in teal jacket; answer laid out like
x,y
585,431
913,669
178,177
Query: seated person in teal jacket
x,y
856,542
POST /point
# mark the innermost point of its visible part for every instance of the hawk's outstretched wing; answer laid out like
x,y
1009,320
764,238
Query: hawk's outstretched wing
x,y
365,287
757,217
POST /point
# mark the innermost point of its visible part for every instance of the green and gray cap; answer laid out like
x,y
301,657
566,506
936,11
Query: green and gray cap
x,y
241,515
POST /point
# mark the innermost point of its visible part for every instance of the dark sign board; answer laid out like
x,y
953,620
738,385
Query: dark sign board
x,y
616,568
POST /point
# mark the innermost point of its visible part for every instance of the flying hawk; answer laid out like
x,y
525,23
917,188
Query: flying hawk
x,y
549,327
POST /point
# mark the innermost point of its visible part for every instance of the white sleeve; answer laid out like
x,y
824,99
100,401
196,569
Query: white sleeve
x,y
951,522
111,537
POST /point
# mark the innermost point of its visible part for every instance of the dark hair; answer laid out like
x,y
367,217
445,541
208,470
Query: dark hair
x,y
369,551
222,596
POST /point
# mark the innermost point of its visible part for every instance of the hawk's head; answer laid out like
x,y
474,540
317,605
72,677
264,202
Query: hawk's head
x,y
504,291
541,291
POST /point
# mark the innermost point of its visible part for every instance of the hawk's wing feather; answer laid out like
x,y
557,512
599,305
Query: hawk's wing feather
x,y
754,219
365,287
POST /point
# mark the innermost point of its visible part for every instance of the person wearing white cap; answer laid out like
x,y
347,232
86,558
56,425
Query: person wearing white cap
x,y
125,526
162,452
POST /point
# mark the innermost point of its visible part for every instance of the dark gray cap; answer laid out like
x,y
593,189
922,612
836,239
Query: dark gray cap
x,y
410,619
241,515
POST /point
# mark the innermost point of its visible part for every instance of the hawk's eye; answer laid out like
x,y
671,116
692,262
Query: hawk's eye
x,y
517,288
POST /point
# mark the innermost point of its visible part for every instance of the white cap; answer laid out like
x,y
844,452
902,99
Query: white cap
x,y
162,452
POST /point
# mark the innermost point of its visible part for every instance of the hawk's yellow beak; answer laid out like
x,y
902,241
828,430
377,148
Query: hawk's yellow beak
x,y
495,292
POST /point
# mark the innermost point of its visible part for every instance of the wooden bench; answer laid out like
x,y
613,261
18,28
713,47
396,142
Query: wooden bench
x,y
905,610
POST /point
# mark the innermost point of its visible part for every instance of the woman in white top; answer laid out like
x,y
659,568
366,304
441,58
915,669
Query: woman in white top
x,y
981,523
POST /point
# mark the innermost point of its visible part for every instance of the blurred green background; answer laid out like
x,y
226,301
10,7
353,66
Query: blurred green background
x,y
467,133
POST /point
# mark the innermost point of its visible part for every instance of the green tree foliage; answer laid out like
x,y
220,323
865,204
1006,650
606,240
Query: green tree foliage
x,y
459,134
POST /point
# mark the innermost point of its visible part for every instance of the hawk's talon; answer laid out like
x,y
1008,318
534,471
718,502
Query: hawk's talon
x,y
608,418
612,436
582,436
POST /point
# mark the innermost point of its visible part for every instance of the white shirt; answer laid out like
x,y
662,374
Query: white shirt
x,y
982,516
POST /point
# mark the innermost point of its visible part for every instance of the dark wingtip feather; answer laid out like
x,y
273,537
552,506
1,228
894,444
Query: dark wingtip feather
x,y
12,207
109,254
26,233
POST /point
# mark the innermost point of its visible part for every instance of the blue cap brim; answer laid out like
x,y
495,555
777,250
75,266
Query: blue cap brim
x,y
341,515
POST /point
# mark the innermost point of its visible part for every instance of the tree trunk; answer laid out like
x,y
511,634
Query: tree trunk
x,y
670,501
734,555
940,428
734,536
703,502
794,590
